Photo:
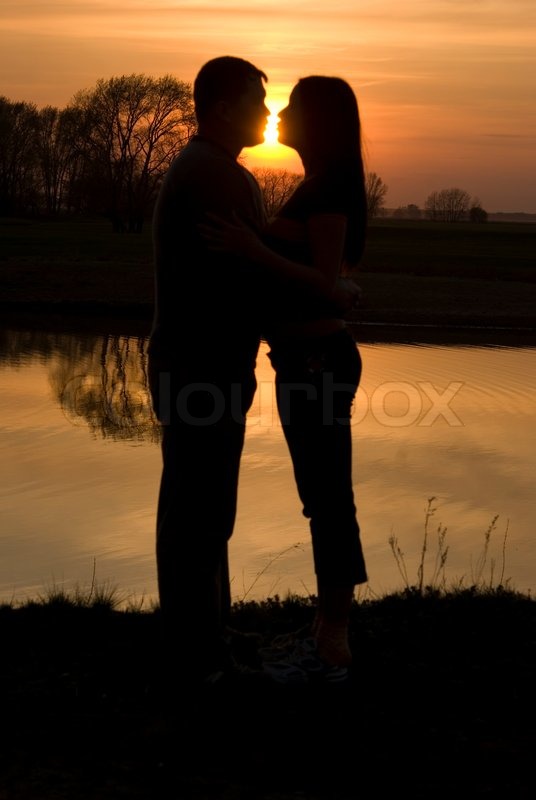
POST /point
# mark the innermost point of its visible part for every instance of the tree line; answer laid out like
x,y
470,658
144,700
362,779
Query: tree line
x,y
107,151
446,205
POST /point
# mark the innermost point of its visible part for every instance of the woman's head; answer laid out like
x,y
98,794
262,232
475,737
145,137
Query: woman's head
x,y
321,120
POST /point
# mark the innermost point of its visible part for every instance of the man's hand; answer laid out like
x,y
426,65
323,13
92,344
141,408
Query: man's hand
x,y
346,295
230,236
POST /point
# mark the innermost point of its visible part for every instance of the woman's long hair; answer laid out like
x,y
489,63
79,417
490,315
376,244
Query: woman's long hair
x,y
330,116
332,141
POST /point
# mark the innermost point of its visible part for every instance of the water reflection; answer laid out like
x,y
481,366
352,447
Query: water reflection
x,y
81,478
99,381
108,389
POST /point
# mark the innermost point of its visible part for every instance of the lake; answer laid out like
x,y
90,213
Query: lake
x,y
451,421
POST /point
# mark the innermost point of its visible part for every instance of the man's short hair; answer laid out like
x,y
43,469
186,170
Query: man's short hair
x,y
223,78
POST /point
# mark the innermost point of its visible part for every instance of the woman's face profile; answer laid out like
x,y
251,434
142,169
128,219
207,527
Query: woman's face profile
x,y
290,128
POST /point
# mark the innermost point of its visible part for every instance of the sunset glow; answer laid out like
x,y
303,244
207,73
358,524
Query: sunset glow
x,y
271,132
446,88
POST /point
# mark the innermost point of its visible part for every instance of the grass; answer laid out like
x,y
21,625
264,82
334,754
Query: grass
x,y
493,251
441,697
83,265
98,595
437,580
411,272
445,301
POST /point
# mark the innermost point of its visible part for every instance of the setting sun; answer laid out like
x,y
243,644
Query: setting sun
x,y
271,133
271,153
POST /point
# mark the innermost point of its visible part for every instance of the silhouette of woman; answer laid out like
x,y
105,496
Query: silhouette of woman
x,y
317,235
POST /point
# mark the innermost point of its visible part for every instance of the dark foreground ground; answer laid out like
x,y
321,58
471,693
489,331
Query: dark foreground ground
x,y
440,704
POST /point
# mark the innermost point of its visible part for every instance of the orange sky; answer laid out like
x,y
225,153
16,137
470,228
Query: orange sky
x,y
447,88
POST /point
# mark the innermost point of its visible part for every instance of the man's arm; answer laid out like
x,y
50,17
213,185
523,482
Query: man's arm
x,y
322,282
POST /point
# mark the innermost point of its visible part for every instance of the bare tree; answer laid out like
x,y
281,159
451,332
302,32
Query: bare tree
x,y
56,155
276,186
448,205
476,212
134,126
376,190
18,122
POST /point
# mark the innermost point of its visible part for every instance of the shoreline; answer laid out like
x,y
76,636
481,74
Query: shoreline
x,y
99,318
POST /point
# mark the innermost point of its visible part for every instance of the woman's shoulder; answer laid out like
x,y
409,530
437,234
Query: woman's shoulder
x,y
337,189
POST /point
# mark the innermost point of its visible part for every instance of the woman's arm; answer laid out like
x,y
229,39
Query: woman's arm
x,y
327,234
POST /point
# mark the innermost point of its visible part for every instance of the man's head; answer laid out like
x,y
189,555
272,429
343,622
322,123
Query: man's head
x,y
229,97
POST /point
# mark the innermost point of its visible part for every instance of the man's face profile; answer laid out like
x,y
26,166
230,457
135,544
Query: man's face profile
x,y
249,114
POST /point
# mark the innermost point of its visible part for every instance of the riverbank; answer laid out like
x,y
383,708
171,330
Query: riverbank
x,y
418,274
395,308
441,697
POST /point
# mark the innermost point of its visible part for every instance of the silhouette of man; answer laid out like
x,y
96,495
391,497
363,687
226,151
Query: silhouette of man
x,y
202,354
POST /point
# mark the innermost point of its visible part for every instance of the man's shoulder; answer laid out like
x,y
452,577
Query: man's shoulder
x,y
201,157
205,175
